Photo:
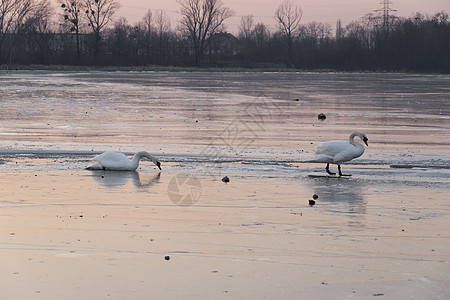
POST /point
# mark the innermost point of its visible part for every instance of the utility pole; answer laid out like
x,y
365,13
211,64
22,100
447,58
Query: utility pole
x,y
386,13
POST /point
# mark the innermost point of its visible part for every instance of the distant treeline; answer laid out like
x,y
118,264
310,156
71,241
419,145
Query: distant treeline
x,y
416,44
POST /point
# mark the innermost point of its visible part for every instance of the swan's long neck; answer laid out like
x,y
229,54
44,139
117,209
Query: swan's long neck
x,y
137,157
362,136
351,138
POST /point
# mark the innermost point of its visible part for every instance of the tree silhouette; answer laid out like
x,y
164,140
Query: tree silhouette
x,y
162,26
419,43
99,14
13,14
201,19
72,16
288,17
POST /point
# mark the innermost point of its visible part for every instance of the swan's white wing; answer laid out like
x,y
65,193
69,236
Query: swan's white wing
x,y
113,161
332,148
110,156
349,154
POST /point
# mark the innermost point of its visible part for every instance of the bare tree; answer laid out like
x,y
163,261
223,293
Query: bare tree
x,y
201,19
245,37
38,26
148,28
147,21
246,27
339,30
13,14
7,15
288,17
39,17
72,16
99,13
316,32
261,33
162,24
121,42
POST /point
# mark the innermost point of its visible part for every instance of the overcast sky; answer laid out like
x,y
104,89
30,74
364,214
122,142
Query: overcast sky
x,y
263,10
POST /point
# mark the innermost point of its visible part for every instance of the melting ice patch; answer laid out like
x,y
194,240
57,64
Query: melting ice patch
x,y
69,127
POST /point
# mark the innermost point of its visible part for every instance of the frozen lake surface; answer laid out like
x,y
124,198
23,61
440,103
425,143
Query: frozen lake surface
x,y
66,232
266,115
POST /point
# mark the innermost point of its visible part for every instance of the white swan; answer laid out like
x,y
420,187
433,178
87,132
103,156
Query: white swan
x,y
337,152
116,161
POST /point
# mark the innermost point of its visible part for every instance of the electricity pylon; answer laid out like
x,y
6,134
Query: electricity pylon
x,y
386,13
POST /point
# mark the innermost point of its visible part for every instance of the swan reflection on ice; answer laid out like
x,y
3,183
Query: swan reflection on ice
x,y
343,198
346,196
115,179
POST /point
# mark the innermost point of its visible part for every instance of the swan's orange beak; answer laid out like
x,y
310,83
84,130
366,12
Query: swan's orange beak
x,y
365,141
158,164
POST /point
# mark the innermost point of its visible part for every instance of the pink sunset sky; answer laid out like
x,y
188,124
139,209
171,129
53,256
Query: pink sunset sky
x,y
328,11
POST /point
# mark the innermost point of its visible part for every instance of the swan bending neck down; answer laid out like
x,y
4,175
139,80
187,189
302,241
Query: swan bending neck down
x,y
337,152
116,161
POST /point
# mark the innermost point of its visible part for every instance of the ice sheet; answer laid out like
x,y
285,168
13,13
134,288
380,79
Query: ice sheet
x,y
69,233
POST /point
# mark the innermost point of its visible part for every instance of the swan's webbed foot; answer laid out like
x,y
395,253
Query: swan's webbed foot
x,y
328,170
340,172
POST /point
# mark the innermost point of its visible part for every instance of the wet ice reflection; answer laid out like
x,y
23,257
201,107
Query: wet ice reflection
x,y
340,195
117,179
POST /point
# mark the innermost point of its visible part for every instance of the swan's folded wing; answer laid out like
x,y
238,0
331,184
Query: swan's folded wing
x,y
349,154
122,165
110,155
111,161
332,148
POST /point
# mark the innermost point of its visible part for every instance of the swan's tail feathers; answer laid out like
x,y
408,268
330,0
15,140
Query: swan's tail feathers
x,y
95,166
320,158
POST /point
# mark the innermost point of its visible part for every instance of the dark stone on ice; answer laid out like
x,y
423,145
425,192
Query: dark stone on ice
x,y
321,117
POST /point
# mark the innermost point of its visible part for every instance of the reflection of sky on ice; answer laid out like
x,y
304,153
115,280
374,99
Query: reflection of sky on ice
x,y
382,225
343,196
231,118
116,179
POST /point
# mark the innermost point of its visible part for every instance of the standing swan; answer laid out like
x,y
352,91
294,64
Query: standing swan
x,y
337,152
116,161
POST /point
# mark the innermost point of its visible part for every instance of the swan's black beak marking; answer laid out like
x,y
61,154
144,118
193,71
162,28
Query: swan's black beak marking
x,y
365,141
158,164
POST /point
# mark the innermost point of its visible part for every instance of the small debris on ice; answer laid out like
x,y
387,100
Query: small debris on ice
x,y
321,117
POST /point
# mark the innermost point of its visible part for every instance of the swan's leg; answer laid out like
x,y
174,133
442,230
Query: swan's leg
x,y
328,170
340,172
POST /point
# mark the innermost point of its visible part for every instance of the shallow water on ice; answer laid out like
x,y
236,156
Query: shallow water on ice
x,y
240,116
70,233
